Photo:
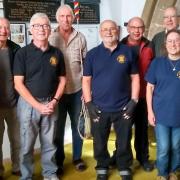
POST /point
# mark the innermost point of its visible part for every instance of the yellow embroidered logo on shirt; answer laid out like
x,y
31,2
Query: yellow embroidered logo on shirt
x,y
121,59
53,61
178,74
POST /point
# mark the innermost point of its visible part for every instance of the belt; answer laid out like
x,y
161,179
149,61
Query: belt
x,y
44,98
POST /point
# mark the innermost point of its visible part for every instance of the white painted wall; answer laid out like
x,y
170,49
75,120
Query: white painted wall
x,y
118,10
121,11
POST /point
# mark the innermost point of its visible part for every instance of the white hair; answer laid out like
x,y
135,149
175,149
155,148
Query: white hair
x,y
62,7
39,15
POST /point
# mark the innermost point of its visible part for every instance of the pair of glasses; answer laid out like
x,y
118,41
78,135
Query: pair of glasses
x,y
170,17
39,26
113,29
136,27
176,41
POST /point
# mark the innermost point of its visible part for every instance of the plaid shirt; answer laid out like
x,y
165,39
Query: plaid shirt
x,y
74,52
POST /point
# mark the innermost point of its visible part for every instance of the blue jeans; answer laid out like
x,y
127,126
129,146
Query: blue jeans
x,y
168,149
33,123
69,103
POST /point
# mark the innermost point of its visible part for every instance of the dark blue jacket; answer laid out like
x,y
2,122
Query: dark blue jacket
x,y
12,47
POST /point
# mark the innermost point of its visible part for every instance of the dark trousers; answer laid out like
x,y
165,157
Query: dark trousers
x,y
141,131
101,131
71,104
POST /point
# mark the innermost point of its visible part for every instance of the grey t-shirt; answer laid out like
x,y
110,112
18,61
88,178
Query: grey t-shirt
x,y
7,92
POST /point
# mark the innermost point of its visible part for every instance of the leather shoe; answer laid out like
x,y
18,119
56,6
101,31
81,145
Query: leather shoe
x,y
126,174
147,166
112,163
16,173
126,177
102,177
60,171
79,165
1,178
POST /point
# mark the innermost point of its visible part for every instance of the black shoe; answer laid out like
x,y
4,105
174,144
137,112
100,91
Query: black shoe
x,y
60,171
147,166
126,177
102,177
112,163
126,174
80,165
1,178
16,173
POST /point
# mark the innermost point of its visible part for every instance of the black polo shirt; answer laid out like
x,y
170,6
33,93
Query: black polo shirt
x,y
41,69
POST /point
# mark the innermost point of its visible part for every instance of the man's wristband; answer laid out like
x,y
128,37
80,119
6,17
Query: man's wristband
x,y
57,100
135,100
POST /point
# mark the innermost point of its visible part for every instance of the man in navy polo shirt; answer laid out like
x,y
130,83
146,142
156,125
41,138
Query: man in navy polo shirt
x,y
39,75
110,90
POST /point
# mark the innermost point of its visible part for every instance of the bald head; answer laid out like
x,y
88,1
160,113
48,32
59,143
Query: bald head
x,y
172,8
135,29
136,20
4,19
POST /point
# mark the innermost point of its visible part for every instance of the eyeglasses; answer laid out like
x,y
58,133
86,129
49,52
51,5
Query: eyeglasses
x,y
38,26
113,29
136,27
176,41
170,17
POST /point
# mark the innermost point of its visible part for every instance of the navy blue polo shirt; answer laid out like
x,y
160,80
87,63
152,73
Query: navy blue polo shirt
x,y
110,72
41,69
166,95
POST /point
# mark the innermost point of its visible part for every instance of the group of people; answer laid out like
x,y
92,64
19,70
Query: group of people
x,y
120,85
41,83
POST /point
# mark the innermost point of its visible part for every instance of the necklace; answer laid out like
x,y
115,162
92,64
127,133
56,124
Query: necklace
x,y
173,64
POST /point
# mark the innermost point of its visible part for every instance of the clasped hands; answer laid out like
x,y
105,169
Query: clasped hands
x,y
48,108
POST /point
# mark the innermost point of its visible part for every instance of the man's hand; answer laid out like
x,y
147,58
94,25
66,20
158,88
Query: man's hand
x,y
44,109
52,104
94,112
151,118
129,109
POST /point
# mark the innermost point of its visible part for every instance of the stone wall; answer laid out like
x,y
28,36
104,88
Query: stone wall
x,y
153,15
